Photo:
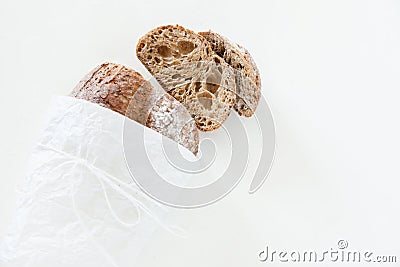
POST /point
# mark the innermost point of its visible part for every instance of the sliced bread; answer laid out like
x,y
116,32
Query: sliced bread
x,y
248,82
184,64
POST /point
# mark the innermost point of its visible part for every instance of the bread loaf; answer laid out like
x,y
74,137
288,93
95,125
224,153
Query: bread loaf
x,y
248,82
125,91
186,67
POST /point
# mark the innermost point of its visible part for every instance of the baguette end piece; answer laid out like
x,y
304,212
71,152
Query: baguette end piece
x,y
125,91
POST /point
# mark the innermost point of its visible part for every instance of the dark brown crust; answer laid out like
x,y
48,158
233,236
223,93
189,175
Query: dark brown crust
x,y
109,85
125,91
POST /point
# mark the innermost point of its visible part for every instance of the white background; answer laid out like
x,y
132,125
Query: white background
x,y
330,71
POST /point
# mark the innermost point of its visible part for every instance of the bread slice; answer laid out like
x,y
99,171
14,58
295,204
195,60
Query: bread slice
x,y
248,82
186,67
125,91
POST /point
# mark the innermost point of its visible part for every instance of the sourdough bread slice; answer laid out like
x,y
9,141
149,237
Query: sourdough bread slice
x,y
248,82
125,91
186,67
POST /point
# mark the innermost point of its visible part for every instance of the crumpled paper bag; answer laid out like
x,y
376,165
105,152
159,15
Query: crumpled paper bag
x,y
78,204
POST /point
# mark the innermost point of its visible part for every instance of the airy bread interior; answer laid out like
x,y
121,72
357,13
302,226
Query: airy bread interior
x,y
186,67
247,77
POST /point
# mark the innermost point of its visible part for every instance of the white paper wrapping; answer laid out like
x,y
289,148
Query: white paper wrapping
x,y
78,205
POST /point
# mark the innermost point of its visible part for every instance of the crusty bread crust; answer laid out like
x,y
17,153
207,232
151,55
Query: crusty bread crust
x,y
125,91
248,82
186,67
